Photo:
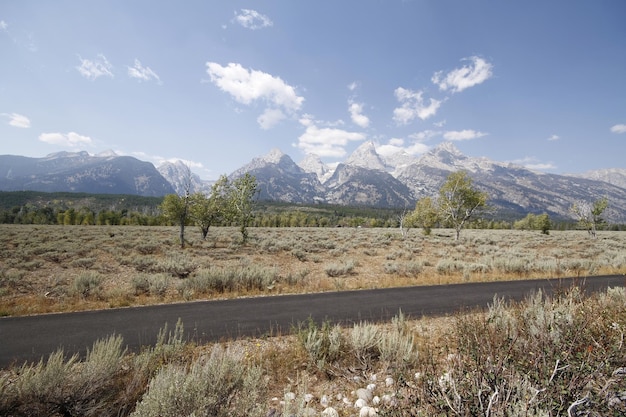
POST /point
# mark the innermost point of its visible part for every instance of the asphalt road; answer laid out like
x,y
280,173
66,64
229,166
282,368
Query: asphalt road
x,y
32,337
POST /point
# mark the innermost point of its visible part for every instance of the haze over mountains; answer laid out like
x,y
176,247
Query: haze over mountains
x,y
365,178
105,173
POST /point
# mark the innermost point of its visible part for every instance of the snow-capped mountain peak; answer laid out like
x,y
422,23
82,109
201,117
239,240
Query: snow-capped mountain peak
x,y
274,156
365,156
448,157
313,164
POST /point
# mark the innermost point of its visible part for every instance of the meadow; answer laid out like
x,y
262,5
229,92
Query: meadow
x,y
544,356
68,268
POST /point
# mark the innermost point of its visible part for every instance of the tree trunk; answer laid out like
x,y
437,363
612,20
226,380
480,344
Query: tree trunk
x,y
182,233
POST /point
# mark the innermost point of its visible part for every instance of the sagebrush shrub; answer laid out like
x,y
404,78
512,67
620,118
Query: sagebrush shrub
x,y
66,387
557,355
324,345
342,269
87,284
219,385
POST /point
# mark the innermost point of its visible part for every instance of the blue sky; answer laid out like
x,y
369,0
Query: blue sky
x,y
217,83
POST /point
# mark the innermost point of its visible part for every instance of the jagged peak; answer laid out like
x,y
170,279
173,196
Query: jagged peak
x,y
366,156
274,156
447,147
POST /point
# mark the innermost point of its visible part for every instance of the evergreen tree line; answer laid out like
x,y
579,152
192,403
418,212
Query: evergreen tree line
x,y
267,215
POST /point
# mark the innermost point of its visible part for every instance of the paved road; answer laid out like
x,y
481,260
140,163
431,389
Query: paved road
x,y
32,337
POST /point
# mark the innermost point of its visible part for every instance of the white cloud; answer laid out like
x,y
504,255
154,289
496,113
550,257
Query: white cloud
x,y
251,19
247,86
533,163
70,140
142,73
3,25
426,135
618,128
17,120
554,137
270,118
189,163
466,134
353,85
457,80
397,145
413,105
93,69
326,141
356,113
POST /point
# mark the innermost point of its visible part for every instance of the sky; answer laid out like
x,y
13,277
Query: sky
x,y
218,83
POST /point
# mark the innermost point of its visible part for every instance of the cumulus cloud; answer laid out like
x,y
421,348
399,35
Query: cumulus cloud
x,y
426,135
251,19
413,105
356,113
534,164
247,86
325,141
396,145
96,68
476,72
353,85
3,25
554,137
465,134
618,128
142,73
17,120
70,140
270,118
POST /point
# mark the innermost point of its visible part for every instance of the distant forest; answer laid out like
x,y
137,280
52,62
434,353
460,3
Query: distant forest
x,y
64,208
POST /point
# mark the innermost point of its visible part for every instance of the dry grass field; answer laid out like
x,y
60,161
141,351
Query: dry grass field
x,y
68,268
540,357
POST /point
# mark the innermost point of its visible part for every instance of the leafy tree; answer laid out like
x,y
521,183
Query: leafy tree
x,y
176,207
240,199
425,215
459,200
589,215
534,222
544,223
206,211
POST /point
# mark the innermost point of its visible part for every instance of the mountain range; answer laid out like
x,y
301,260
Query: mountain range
x,y
370,179
105,173
365,178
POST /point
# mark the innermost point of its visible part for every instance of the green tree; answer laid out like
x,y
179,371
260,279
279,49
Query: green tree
x,y
589,215
459,201
175,207
69,217
534,222
206,211
544,223
240,199
425,215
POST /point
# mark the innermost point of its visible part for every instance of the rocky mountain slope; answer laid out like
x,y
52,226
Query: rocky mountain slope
x,y
365,178
369,179
180,177
80,172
